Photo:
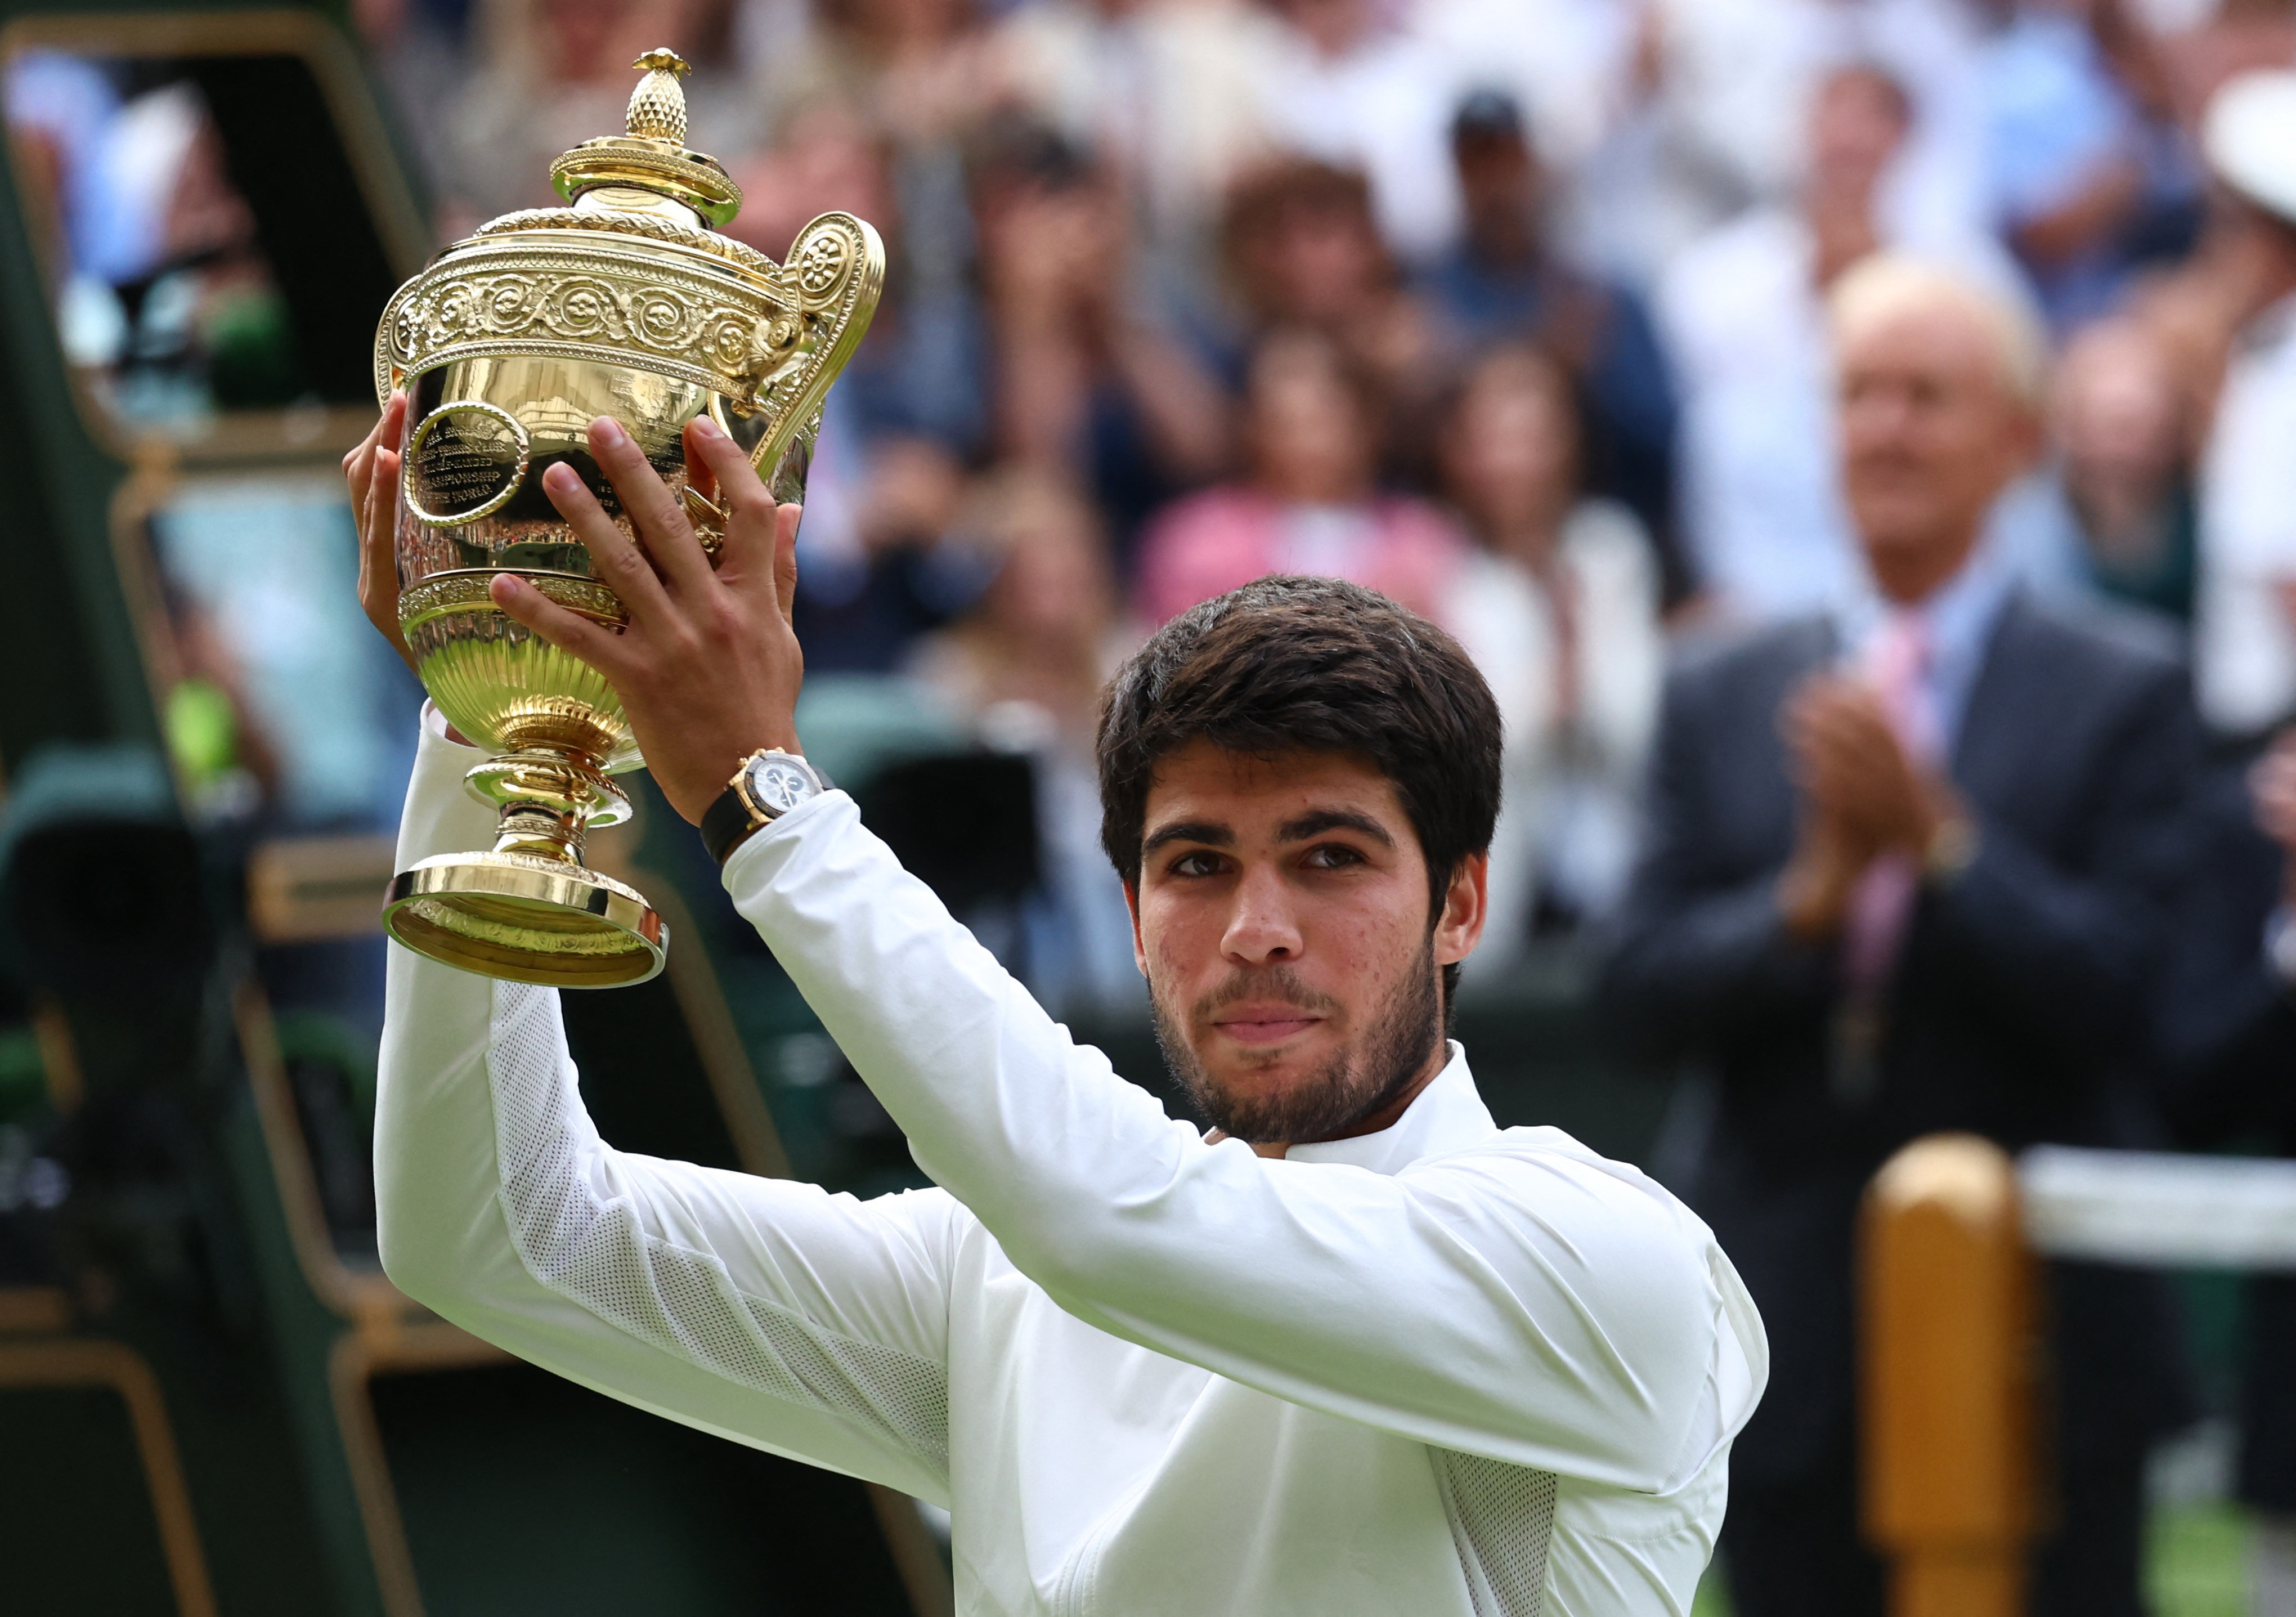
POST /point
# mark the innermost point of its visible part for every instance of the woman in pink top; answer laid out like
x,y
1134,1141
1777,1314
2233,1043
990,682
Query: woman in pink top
x,y
1309,505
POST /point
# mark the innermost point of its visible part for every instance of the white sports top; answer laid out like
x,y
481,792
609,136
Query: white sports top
x,y
1443,1369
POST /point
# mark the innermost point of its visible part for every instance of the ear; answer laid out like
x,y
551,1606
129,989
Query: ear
x,y
1467,905
1139,944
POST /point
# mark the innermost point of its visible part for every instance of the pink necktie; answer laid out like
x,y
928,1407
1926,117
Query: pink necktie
x,y
1896,663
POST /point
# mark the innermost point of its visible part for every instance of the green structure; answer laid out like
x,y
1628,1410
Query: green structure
x,y
211,1400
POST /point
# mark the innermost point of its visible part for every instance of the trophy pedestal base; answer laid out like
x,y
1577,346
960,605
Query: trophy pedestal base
x,y
526,919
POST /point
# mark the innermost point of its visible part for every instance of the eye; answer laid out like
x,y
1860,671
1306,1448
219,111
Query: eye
x,y
1200,863
1331,856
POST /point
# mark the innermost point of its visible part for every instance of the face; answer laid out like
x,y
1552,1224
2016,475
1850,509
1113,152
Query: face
x,y
1512,453
1280,918
1857,124
2118,406
1319,262
1930,435
1310,441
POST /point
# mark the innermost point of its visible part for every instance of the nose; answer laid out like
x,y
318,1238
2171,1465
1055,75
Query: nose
x,y
1262,925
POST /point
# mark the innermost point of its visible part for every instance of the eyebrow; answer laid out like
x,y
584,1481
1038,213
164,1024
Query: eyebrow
x,y
1333,819
1211,833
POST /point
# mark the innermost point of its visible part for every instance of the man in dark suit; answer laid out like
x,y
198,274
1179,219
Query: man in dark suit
x,y
1907,873
2228,1019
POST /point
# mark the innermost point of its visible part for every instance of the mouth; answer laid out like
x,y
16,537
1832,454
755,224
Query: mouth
x,y
1265,1024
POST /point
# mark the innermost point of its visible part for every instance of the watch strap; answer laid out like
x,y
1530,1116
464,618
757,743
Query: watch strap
x,y
727,822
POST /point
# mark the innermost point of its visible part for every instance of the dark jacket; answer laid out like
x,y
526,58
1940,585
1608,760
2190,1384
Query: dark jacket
x,y
2229,1043
2019,1009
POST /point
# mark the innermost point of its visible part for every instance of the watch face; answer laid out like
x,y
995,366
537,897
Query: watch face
x,y
779,784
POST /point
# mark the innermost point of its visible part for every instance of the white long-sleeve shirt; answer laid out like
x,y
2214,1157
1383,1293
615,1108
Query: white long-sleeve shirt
x,y
1442,1369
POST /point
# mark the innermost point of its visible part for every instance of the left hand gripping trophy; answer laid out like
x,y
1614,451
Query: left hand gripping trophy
x,y
624,303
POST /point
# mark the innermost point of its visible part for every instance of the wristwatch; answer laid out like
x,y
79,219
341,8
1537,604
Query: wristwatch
x,y
768,784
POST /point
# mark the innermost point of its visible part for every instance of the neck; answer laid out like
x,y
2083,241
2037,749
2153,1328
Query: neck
x,y
1530,536
1910,577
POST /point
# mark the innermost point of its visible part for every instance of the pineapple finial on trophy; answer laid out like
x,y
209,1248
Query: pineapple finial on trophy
x,y
658,105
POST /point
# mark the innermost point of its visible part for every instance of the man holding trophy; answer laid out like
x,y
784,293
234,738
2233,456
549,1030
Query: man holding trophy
x,y
1354,1351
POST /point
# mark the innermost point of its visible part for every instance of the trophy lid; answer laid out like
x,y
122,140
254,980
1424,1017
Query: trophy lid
x,y
636,171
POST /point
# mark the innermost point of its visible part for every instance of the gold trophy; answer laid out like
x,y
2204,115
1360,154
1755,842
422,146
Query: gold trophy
x,y
624,303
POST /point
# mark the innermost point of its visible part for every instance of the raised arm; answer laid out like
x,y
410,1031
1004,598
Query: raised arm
x,y
1527,1301
760,1310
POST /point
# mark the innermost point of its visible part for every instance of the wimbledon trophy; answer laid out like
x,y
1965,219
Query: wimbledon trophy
x,y
627,304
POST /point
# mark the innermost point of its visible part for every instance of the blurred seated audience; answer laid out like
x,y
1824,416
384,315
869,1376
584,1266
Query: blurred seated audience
x,y
1711,117
2228,1016
550,75
2124,461
878,565
1166,91
1352,85
1908,870
1741,313
2086,184
2244,629
1088,385
1309,502
921,371
1559,608
1300,248
1504,279
1026,668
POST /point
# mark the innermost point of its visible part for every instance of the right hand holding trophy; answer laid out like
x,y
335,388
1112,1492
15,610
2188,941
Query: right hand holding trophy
x,y
551,387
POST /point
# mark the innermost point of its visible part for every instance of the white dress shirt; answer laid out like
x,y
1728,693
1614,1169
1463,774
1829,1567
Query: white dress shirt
x,y
1443,1369
2243,643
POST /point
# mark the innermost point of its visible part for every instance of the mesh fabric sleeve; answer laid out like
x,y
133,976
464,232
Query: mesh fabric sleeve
x,y
1523,1301
763,1311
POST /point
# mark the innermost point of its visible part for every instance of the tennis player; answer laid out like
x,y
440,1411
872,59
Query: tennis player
x,y
1353,1350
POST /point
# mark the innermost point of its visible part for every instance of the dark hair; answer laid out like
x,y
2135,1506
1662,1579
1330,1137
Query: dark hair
x,y
1295,664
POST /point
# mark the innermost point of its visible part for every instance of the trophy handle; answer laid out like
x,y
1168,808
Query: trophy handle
x,y
834,275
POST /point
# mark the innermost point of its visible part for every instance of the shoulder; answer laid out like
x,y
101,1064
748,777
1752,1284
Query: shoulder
x,y
1729,661
2096,640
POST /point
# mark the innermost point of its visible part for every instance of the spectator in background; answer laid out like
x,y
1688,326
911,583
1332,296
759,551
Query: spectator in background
x,y
1350,89
2229,1014
1026,668
1086,386
1504,280
1559,609
1741,313
550,75
1906,874
1167,93
1714,119
1301,249
2244,632
877,564
2085,186
2125,462
1309,503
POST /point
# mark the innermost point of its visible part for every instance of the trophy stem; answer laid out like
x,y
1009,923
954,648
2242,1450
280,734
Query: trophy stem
x,y
527,909
549,799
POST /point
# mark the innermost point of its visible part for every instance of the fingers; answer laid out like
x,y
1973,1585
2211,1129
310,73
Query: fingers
x,y
746,558
617,563
657,514
785,521
569,631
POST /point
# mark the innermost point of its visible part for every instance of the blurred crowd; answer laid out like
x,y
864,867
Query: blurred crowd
x,y
1855,438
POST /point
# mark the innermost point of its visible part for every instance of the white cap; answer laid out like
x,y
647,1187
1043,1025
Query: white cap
x,y
2250,137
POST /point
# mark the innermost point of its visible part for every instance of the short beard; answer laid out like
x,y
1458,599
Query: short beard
x,y
1358,1080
